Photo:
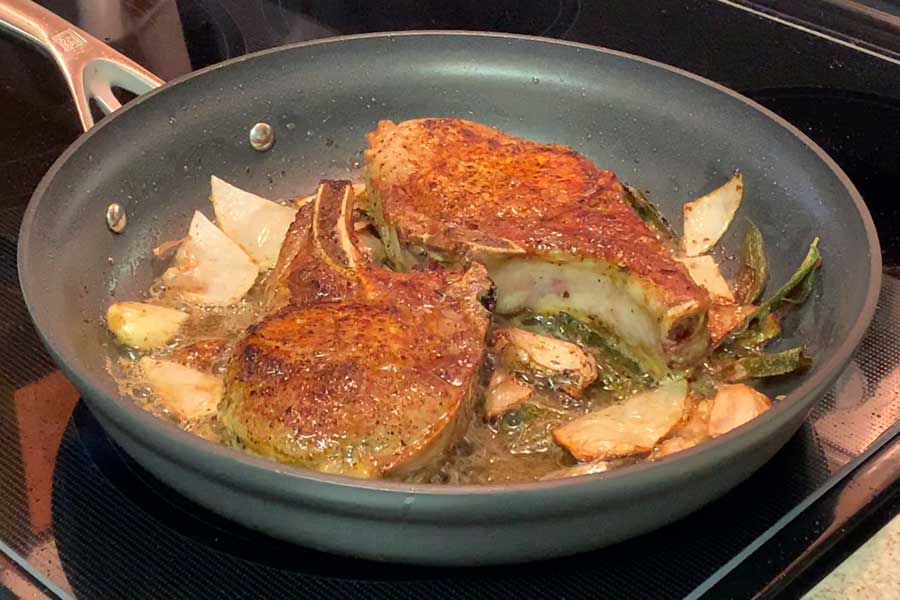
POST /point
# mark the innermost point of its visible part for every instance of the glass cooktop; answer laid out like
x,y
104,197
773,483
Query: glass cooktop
x,y
79,519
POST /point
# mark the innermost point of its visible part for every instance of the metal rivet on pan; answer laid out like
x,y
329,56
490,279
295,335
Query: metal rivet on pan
x,y
115,217
262,136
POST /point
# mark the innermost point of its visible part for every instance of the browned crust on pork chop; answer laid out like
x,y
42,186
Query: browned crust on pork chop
x,y
464,187
358,370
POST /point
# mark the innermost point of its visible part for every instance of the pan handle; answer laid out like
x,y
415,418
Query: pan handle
x,y
90,67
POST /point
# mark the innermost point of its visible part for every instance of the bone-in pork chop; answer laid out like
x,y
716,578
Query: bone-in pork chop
x,y
556,233
358,370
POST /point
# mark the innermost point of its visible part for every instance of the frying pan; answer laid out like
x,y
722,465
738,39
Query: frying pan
x,y
662,129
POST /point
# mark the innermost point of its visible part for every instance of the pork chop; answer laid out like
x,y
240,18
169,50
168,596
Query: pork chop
x,y
556,233
357,370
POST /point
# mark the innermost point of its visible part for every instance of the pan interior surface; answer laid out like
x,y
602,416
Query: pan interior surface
x,y
675,136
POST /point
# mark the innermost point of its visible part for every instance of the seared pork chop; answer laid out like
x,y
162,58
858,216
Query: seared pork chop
x,y
358,370
556,233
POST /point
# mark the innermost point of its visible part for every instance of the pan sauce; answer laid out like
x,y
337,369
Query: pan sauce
x,y
516,447
525,443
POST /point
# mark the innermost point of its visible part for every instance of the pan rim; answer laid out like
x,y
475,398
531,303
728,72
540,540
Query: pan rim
x,y
130,417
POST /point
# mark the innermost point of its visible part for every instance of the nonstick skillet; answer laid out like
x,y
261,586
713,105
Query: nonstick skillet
x,y
659,128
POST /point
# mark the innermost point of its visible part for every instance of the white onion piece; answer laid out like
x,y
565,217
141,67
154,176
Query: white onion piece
x,y
256,224
588,468
633,426
209,267
505,391
142,325
688,433
186,392
708,217
734,405
546,356
705,273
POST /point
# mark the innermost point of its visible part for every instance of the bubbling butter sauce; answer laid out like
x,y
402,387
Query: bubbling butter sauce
x,y
515,447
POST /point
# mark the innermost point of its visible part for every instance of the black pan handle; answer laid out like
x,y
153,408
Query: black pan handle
x,y
90,67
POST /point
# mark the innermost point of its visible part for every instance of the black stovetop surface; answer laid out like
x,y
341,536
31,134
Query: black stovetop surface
x,y
82,520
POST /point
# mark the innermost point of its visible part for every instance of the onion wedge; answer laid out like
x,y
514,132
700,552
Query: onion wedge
x,y
632,427
257,225
588,468
734,405
547,358
705,273
209,267
708,217
142,325
186,392
505,391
